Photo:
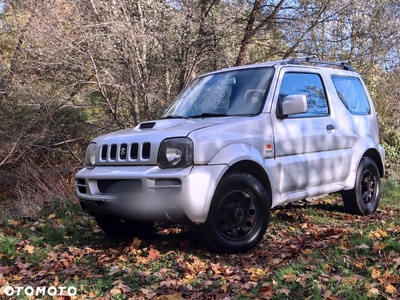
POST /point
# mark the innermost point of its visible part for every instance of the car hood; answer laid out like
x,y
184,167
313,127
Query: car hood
x,y
161,129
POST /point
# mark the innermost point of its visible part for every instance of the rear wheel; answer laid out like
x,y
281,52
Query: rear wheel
x,y
119,228
364,198
238,216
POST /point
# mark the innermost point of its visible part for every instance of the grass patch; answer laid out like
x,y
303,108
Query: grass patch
x,y
311,250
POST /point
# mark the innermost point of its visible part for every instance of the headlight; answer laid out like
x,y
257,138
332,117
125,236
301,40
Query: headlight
x,y
90,157
175,153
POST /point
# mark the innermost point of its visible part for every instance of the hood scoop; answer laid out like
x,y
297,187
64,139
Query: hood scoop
x,y
147,125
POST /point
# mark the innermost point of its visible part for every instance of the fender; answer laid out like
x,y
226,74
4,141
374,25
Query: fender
x,y
234,153
358,151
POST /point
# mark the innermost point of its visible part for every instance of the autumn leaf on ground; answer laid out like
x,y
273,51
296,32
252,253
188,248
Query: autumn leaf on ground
x,y
351,279
13,222
378,233
265,292
4,269
56,281
363,246
391,289
373,292
290,277
379,246
136,243
175,296
153,254
16,278
257,273
224,286
389,278
189,278
115,291
286,292
29,248
375,273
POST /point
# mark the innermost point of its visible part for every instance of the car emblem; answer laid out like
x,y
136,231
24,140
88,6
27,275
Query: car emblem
x,y
122,152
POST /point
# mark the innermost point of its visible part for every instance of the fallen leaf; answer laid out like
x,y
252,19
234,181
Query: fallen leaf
x,y
153,254
13,222
136,243
375,273
290,277
373,292
265,292
391,290
56,281
29,248
379,246
286,292
363,246
168,283
4,269
223,286
123,258
350,279
256,273
16,278
249,285
148,293
92,294
115,291
175,296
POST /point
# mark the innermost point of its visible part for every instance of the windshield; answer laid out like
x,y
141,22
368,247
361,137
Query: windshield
x,y
239,92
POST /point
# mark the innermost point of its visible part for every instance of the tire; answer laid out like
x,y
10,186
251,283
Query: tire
x,y
118,228
364,198
238,216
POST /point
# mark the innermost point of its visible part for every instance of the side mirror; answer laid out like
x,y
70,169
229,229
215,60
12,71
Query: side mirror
x,y
293,104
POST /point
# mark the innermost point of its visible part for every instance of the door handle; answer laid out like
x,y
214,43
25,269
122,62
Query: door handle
x,y
330,127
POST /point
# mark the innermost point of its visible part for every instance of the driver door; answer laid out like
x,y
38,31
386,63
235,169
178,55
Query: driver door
x,y
306,144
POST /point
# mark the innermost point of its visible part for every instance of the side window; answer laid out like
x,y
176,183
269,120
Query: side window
x,y
309,85
352,94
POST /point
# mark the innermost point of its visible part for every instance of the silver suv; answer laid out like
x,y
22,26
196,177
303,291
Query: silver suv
x,y
234,144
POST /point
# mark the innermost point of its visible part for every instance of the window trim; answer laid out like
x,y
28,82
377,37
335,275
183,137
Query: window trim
x,y
357,79
306,115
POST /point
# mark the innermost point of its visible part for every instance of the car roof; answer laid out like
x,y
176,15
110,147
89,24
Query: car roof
x,y
307,61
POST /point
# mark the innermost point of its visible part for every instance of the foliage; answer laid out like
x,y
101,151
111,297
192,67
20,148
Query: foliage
x,y
73,70
311,250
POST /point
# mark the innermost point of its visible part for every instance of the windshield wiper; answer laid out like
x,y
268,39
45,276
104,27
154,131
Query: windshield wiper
x,y
208,115
175,117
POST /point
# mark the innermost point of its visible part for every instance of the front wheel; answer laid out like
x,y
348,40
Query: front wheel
x,y
364,198
238,216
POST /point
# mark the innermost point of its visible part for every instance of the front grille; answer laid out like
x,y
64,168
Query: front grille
x,y
134,151
125,152
146,150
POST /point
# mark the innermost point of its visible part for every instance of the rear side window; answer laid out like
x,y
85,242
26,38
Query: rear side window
x,y
352,94
309,85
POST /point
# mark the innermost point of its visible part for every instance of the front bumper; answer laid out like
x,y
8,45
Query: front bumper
x,y
148,192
